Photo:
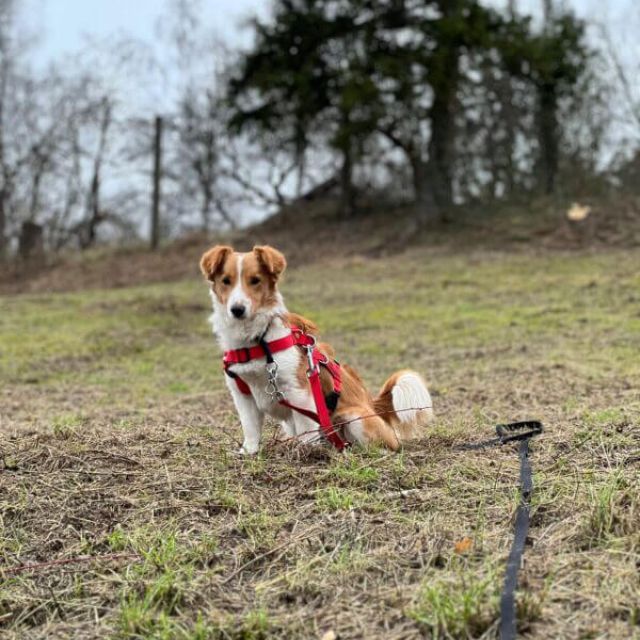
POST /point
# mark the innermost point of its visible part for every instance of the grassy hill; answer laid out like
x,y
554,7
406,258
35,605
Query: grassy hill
x,y
315,231
118,448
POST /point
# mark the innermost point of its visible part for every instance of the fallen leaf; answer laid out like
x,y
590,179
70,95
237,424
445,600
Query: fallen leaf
x,y
577,212
463,546
330,635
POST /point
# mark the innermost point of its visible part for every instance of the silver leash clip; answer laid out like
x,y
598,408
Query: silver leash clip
x,y
313,367
272,382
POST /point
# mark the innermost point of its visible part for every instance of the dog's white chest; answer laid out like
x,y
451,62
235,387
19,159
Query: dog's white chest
x,y
239,335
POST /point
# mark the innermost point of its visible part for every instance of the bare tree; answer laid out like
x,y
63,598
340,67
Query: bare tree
x,y
201,133
207,165
622,73
94,214
7,14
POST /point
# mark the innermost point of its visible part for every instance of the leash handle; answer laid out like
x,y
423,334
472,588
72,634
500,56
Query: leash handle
x,y
515,431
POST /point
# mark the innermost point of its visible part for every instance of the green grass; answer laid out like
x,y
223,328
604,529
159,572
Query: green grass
x,y
334,499
464,604
118,442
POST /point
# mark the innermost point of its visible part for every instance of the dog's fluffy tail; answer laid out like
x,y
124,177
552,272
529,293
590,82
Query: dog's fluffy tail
x,y
404,402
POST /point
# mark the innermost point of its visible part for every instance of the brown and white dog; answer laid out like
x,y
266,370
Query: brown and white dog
x,y
248,305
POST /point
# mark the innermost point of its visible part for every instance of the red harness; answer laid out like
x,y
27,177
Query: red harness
x,y
297,338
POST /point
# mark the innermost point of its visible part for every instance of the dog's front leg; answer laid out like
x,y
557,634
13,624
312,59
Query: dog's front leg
x,y
251,419
306,429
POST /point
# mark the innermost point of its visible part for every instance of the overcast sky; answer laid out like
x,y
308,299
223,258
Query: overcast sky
x,y
65,25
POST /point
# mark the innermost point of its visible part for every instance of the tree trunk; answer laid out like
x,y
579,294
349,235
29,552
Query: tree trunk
x,y
31,244
3,227
427,207
301,167
207,177
442,140
346,183
205,211
89,235
94,215
444,78
548,138
157,179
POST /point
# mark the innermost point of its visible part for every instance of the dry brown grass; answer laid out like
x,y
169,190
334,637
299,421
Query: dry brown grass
x,y
317,231
117,455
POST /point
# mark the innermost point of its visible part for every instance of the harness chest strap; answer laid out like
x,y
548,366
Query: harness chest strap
x,y
296,338
240,356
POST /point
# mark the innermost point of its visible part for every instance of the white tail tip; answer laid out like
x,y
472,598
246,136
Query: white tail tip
x,y
411,399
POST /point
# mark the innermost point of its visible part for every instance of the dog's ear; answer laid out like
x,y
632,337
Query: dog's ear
x,y
271,259
212,261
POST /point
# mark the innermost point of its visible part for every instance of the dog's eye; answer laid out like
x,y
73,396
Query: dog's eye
x,y
226,280
254,281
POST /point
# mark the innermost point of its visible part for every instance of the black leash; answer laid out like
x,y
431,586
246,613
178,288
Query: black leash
x,y
514,432
508,619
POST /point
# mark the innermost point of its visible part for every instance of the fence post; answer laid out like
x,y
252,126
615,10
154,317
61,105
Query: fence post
x,y
157,178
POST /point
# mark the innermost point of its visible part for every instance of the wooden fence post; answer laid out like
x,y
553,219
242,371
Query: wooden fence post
x,y
157,179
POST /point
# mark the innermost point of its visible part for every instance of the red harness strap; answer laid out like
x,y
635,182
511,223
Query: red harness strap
x,y
240,356
296,338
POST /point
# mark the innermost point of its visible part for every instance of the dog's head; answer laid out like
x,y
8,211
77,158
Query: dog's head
x,y
244,283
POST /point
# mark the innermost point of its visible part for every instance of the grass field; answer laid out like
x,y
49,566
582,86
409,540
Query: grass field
x,y
118,440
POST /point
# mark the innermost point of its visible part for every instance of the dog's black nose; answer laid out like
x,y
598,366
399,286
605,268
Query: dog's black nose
x,y
237,310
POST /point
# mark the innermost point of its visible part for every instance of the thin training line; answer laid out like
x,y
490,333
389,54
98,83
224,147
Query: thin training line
x,y
336,425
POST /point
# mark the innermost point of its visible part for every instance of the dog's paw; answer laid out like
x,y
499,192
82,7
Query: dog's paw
x,y
248,449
